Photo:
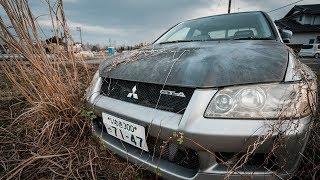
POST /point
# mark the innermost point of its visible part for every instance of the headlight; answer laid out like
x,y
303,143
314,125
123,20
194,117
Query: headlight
x,y
265,101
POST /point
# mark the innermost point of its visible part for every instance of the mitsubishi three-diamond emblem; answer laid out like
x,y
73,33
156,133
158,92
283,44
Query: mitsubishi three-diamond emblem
x,y
133,94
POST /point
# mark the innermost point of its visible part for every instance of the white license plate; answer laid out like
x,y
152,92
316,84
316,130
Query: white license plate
x,y
129,132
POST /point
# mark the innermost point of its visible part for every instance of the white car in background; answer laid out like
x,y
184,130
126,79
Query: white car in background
x,y
310,50
85,54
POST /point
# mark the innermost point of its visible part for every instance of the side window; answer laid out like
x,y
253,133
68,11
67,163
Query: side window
x,y
222,33
318,39
217,34
180,35
311,41
231,32
318,46
196,33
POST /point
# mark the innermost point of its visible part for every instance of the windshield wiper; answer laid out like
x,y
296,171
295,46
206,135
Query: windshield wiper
x,y
251,38
179,41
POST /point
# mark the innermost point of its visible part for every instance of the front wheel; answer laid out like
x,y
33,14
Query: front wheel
x,y
317,56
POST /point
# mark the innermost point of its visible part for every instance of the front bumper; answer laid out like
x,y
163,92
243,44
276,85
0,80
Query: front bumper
x,y
206,136
170,170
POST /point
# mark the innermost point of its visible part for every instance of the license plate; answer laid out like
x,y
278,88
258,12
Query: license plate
x,y
128,132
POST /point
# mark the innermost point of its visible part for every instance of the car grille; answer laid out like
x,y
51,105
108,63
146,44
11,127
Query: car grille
x,y
147,94
173,152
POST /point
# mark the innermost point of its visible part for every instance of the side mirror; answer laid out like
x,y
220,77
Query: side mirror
x,y
286,35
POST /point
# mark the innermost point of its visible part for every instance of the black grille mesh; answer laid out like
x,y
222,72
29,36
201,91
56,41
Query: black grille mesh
x,y
173,152
147,94
255,160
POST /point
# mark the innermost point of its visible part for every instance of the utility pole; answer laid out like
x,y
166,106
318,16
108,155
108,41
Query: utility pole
x,y
79,29
110,43
229,7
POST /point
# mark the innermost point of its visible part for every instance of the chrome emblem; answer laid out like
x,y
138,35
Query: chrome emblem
x,y
133,93
172,93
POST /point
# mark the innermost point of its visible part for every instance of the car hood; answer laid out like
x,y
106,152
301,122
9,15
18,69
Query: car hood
x,y
201,64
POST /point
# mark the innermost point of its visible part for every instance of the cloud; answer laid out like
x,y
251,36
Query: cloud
x,y
131,22
96,29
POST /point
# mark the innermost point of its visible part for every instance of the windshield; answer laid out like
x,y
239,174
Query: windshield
x,y
239,26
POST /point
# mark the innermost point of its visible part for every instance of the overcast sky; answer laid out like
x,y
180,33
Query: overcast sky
x,y
132,21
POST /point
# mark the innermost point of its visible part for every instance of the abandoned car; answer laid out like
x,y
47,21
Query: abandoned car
x,y
213,97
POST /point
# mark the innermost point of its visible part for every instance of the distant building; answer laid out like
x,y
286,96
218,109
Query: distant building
x,y
77,47
54,44
304,22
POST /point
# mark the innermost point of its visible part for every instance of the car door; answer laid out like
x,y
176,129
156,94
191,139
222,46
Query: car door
x,y
307,50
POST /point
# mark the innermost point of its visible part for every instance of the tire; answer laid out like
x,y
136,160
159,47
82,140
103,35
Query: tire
x,y
317,56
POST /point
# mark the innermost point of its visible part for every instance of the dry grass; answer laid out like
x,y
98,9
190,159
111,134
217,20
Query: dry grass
x,y
42,134
310,165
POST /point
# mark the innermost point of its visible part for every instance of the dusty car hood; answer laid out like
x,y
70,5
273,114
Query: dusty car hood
x,y
201,64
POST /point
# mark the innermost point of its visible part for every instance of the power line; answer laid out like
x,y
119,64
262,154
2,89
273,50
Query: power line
x,y
285,6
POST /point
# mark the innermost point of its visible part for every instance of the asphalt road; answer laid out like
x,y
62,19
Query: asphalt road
x,y
94,61
313,63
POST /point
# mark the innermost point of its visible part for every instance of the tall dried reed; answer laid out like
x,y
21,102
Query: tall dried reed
x,y
50,139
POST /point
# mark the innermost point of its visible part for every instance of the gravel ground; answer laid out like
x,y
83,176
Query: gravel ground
x,y
313,63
